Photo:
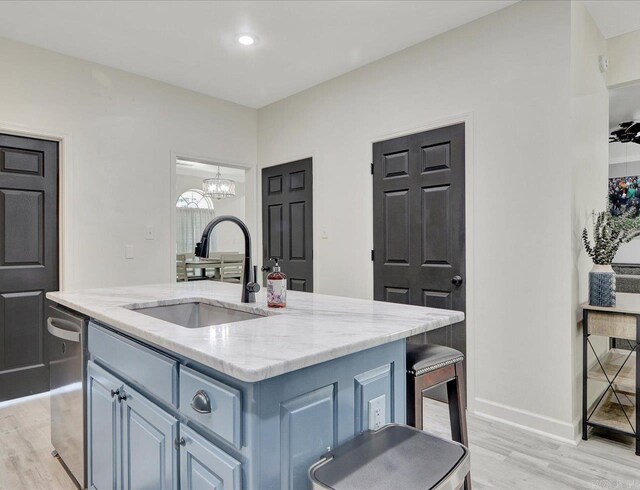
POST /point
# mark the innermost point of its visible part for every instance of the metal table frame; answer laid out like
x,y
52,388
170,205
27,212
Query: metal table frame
x,y
586,344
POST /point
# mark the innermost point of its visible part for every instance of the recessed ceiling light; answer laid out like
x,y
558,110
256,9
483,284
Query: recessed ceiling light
x,y
246,39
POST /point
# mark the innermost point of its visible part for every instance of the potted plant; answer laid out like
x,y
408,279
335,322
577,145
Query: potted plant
x,y
609,232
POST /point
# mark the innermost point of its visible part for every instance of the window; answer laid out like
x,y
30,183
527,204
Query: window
x,y
194,198
194,210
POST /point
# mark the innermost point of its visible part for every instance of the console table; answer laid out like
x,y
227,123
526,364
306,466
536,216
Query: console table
x,y
615,408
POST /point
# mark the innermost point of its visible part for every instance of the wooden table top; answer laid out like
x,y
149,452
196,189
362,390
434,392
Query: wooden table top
x,y
625,303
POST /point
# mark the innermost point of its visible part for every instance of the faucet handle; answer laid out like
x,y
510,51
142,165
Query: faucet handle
x,y
253,286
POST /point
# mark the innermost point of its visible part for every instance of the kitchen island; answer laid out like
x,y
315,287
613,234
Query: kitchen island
x,y
247,403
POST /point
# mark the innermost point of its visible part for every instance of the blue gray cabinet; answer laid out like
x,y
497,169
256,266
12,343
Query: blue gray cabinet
x,y
241,436
149,458
203,466
307,429
103,424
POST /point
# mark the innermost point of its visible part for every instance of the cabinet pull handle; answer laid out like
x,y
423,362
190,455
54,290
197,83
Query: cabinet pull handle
x,y
200,402
115,393
179,442
121,397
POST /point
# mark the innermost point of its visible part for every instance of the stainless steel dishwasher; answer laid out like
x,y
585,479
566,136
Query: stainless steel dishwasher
x,y
68,368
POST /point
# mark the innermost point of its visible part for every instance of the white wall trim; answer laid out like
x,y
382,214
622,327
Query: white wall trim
x,y
65,180
185,155
522,419
470,165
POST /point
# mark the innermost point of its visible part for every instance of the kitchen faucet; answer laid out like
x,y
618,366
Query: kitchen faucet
x,y
250,285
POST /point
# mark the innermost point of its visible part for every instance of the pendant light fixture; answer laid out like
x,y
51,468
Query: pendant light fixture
x,y
219,188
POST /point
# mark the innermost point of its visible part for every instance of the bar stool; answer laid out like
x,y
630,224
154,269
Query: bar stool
x,y
429,365
393,457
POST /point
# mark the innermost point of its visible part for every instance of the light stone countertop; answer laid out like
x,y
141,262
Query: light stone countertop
x,y
313,328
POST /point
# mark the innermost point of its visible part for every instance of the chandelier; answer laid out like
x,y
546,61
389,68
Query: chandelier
x,y
219,188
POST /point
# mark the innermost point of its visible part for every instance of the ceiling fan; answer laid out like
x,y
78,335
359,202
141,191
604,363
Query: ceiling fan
x,y
629,132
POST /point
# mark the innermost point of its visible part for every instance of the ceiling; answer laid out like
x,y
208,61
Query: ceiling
x,y
615,17
192,44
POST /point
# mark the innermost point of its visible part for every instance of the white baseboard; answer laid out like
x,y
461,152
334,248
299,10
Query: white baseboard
x,y
522,419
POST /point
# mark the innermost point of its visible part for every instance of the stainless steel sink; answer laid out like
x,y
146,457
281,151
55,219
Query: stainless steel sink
x,y
196,315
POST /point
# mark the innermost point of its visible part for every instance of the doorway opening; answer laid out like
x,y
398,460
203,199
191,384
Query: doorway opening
x,y
287,222
419,226
204,191
29,258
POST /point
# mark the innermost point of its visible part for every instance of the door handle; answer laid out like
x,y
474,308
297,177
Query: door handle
x,y
200,402
62,333
457,281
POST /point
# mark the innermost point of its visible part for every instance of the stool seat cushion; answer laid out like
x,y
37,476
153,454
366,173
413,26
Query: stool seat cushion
x,y
423,358
394,457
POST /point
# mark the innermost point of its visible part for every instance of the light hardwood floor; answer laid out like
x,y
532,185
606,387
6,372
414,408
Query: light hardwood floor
x,y
502,457
25,448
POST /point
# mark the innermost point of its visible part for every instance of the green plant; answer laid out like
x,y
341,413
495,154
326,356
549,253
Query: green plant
x,y
609,232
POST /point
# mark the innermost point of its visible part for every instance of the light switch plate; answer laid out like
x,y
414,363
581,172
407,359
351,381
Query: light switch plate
x,y
128,251
377,412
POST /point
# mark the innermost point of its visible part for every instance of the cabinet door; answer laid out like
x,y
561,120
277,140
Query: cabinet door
x,y
203,466
149,457
103,425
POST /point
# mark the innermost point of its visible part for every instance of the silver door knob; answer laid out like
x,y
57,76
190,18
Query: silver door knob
x,y
179,442
457,281
201,403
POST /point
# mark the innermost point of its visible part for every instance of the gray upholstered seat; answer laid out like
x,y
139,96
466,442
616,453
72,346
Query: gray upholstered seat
x,y
422,358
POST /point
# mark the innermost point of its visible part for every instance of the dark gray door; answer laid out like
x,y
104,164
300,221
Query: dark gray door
x,y
28,260
287,221
419,233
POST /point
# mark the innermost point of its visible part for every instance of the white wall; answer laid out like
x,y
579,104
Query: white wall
x,y
624,62
227,237
510,73
589,145
121,130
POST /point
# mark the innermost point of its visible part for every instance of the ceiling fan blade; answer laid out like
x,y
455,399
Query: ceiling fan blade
x,y
634,128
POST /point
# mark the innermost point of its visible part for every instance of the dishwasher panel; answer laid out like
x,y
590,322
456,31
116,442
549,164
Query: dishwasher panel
x,y
68,364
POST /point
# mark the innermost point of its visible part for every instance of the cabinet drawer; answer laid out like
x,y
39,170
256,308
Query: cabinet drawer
x,y
218,403
203,465
153,371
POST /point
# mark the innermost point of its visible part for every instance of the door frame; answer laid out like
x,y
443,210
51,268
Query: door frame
x,y
469,195
280,161
65,165
251,170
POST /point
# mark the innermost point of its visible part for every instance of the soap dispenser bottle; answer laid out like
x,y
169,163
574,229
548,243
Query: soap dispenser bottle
x,y
276,287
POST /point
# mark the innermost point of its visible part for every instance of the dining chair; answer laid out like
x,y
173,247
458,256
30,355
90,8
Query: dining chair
x,y
181,268
231,267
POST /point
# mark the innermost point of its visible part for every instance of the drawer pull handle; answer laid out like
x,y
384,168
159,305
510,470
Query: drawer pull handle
x,y
201,403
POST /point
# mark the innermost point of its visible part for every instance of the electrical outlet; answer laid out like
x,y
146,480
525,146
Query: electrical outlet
x,y
377,412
